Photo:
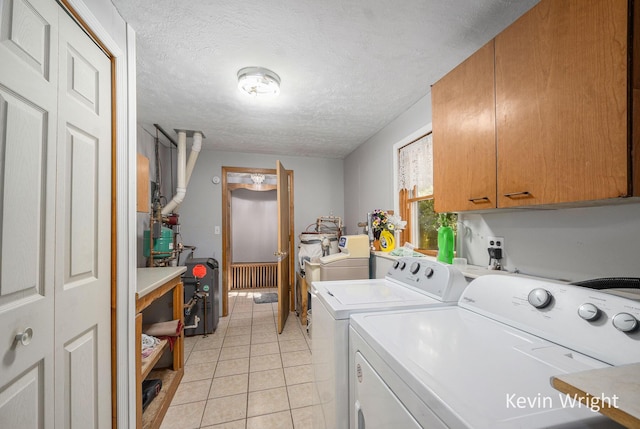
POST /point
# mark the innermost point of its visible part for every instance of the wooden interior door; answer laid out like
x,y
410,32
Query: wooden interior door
x,y
283,252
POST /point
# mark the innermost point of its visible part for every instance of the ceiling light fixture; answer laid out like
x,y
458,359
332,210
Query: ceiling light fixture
x,y
257,178
258,81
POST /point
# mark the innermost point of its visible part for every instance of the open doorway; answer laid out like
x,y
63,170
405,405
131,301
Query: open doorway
x,y
250,233
254,236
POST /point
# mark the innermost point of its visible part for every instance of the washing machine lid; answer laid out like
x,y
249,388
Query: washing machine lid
x,y
474,372
342,298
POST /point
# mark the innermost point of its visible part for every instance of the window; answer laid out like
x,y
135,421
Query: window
x,y
415,194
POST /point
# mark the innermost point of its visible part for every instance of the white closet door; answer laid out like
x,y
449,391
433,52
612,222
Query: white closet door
x,y
55,204
83,239
28,104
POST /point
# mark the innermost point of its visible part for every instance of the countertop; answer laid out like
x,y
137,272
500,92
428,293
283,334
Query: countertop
x,y
469,271
615,390
151,278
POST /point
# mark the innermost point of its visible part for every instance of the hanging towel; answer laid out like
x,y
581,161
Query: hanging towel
x,y
172,328
165,330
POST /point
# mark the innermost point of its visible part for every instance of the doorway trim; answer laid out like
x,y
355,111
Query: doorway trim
x,y
226,225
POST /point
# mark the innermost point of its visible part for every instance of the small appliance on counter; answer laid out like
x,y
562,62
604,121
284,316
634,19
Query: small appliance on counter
x,y
351,263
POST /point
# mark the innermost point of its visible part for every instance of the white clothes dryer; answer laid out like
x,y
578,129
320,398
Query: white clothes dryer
x,y
487,363
412,282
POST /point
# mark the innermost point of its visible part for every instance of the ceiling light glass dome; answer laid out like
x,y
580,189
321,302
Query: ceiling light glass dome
x,y
258,82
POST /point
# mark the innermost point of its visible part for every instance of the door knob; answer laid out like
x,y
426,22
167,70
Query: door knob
x,y
280,255
24,337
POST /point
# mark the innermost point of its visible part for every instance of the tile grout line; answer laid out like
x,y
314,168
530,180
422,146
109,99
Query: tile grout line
x,y
237,306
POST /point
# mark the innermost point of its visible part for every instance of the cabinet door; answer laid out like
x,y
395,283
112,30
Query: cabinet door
x,y
464,151
561,104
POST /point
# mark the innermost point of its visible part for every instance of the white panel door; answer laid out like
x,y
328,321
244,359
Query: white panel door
x,y
28,103
55,196
83,239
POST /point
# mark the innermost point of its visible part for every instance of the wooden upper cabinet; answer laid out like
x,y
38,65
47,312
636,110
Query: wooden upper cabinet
x,y
562,104
464,144
544,113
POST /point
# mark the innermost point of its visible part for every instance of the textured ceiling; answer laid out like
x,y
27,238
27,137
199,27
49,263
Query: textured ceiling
x,y
348,68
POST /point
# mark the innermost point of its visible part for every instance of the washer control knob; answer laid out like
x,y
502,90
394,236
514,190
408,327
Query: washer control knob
x,y
403,265
588,312
415,267
428,272
539,298
395,265
625,322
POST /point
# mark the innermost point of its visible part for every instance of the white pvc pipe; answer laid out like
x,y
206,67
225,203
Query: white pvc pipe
x,y
193,155
181,189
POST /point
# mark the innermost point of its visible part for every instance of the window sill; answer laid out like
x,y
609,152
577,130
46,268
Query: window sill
x,y
427,252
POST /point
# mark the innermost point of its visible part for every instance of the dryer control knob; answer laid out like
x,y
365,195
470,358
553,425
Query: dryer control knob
x,y
403,265
415,267
395,265
428,272
588,312
625,322
539,298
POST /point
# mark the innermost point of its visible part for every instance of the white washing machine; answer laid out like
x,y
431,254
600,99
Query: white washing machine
x,y
487,363
410,283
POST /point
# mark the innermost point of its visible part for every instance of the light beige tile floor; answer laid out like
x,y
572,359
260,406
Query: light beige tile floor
x,y
245,375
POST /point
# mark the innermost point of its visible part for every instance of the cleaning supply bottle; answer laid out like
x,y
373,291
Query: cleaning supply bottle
x,y
445,244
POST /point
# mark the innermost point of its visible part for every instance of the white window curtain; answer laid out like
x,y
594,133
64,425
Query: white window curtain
x,y
416,166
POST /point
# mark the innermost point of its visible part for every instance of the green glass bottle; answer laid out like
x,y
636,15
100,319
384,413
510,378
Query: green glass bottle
x,y
445,244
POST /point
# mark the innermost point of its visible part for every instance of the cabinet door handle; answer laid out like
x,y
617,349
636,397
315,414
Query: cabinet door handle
x,y
517,194
479,200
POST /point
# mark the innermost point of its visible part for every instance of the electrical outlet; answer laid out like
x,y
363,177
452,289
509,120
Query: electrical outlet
x,y
495,243
216,230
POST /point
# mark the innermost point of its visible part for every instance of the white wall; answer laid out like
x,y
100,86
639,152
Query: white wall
x,y
318,191
254,225
568,244
368,170
109,18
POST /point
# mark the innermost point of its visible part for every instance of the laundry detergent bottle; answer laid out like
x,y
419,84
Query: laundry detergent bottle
x,y
445,244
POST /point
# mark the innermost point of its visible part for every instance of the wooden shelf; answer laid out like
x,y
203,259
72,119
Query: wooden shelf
x,y
153,415
154,283
147,363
